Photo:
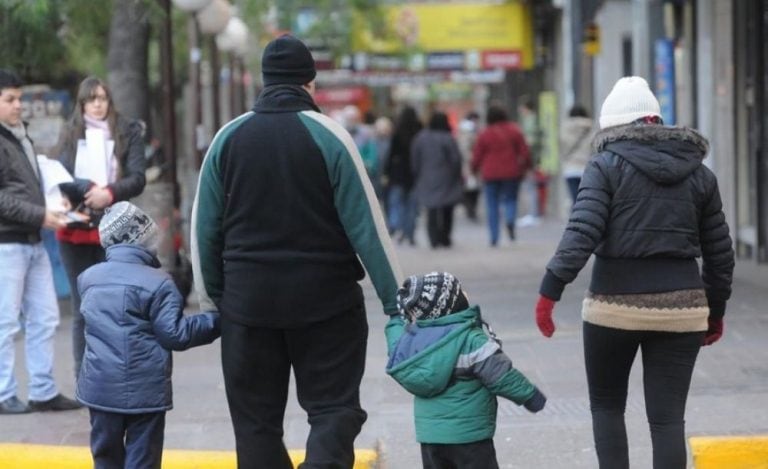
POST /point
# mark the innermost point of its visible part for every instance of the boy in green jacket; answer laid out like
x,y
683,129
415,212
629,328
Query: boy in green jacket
x,y
440,352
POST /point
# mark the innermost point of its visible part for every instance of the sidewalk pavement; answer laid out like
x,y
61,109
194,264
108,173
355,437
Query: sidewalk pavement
x,y
729,392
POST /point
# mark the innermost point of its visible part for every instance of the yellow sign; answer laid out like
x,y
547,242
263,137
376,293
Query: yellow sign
x,y
550,152
591,41
451,27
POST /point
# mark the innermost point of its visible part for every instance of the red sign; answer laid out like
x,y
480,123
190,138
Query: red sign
x,y
506,59
340,95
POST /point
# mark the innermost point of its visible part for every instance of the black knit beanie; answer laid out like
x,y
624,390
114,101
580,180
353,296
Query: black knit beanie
x,y
431,296
287,60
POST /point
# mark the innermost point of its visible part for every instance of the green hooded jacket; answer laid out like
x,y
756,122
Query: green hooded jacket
x,y
455,371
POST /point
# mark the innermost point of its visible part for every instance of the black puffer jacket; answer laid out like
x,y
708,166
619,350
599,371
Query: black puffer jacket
x,y
647,208
22,203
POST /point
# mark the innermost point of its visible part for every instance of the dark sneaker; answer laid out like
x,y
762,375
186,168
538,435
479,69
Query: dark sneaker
x,y
59,402
13,405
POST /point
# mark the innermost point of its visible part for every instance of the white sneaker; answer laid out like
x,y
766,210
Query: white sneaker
x,y
528,220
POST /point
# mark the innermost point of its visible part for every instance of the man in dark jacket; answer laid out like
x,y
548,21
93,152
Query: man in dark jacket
x,y
26,280
284,209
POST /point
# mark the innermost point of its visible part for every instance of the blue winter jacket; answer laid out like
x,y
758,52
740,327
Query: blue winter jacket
x,y
133,320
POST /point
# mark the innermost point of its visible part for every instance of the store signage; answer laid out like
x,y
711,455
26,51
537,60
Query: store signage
x,y
508,60
441,27
445,61
665,78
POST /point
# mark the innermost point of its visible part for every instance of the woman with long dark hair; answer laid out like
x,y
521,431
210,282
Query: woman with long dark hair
x,y
401,203
436,164
124,178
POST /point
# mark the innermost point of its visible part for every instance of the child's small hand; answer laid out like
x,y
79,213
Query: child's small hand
x,y
536,402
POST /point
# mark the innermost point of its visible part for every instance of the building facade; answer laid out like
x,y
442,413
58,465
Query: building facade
x,y
707,61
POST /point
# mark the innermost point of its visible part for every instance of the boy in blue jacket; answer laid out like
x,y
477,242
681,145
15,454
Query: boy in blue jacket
x,y
440,352
133,320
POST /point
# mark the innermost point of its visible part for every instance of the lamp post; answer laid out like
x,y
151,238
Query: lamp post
x,y
234,40
169,116
195,107
213,20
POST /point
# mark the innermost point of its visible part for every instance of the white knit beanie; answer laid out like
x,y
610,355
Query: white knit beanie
x,y
127,223
629,100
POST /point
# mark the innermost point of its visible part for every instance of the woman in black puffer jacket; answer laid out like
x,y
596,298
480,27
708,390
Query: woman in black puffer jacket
x,y
647,208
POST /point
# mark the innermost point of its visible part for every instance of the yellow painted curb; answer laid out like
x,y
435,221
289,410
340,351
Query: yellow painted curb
x,y
22,456
730,452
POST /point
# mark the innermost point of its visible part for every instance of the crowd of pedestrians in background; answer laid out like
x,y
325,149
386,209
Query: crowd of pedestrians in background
x,y
423,164
648,292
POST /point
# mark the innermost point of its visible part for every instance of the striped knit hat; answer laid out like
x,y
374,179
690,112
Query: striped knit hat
x,y
629,100
127,223
430,296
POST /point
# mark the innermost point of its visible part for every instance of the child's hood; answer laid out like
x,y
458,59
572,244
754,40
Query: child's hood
x,y
132,254
425,356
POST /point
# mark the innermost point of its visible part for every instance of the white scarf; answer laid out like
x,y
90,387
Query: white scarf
x,y
103,125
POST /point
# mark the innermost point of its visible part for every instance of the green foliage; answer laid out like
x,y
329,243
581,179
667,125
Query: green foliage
x,y
29,36
49,40
86,35
332,19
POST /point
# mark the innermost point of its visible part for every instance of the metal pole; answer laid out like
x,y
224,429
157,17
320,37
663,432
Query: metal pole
x,y
169,116
195,90
215,82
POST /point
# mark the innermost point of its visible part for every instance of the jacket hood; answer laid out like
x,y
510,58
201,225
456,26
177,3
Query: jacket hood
x,y
132,254
425,357
285,98
667,155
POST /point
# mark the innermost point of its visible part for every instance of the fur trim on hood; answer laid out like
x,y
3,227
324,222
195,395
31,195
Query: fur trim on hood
x,y
649,133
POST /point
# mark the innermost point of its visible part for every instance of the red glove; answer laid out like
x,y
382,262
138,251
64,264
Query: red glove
x,y
714,332
544,309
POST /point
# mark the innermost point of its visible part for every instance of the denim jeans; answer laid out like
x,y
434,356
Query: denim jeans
x,y
26,285
668,360
402,211
573,186
500,192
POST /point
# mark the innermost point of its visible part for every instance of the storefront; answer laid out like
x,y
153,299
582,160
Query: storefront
x,y
751,107
451,56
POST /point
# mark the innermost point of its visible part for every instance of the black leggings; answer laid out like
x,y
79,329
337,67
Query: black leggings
x,y
440,226
668,360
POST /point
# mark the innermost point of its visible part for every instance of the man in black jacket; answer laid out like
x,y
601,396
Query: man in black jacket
x,y
284,220
26,280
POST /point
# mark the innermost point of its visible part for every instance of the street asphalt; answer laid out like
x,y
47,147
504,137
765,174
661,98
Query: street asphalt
x,y
729,393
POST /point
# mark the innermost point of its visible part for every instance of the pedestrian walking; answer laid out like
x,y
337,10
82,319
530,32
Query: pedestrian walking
x,y
382,139
121,138
402,208
647,208
575,143
26,279
284,213
535,181
469,128
442,352
436,166
501,157
134,319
